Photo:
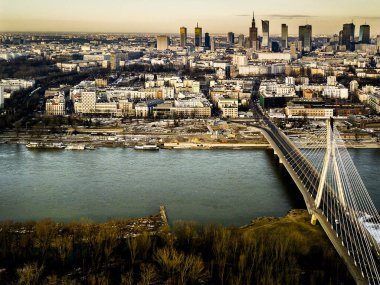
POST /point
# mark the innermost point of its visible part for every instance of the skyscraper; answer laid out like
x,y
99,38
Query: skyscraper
x,y
364,34
207,41
348,36
241,40
265,42
293,50
114,60
212,44
183,34
253,34
162,42
198,36
231,39
284,36
305,36
275,46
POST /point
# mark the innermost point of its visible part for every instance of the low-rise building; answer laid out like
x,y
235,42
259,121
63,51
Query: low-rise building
x,y
229,107
374,102
197,107
338,91
12,85
56,106
302,111
273,94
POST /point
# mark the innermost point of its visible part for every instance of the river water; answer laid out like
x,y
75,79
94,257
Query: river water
x,y
229,187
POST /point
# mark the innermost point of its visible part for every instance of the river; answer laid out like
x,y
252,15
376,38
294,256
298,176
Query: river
x,y
229,187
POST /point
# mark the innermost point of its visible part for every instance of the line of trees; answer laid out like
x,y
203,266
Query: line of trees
x,y
24,67
87,253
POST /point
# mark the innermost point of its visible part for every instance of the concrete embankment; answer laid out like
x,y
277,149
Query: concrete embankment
x,y
215,146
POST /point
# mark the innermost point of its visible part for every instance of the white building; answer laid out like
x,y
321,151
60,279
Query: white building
x,y
354,86
240,60
271,88
315,113
249,70
331,80
374,102
229,107
335,92
370,95
273,56
56,106
221,64
16,84
88,102
290,80
142,110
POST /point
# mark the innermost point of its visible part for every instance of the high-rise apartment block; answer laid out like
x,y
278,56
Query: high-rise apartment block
x,y
212,44
207,41
305,36
183,35
198,36
162,42
115,61
284,36
348,36
253,35
364,34
231,39
241,40
265,41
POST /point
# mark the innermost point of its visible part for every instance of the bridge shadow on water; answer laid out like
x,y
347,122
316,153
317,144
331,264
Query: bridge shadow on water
x,y
292,192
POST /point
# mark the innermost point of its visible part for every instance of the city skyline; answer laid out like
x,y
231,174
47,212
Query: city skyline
x,y
216,17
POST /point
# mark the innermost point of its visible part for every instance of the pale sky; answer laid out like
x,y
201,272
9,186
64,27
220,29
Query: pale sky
x,y
166,16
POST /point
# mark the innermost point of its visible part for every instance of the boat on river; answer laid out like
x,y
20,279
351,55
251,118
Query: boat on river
x,y
147,147
76,147
44,145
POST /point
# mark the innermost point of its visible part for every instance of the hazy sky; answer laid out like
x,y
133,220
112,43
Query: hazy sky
x,y
166,16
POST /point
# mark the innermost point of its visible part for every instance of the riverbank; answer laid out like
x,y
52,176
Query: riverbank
x,y
93,253
236,146
140,139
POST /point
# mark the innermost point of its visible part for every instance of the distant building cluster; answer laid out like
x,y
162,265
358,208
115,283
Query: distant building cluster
x,y
199,74
159,97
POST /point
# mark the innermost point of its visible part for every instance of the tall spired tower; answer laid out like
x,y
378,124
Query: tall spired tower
x,y
253,34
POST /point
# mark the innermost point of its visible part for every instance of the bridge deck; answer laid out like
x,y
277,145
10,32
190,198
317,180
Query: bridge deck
x,y
282,146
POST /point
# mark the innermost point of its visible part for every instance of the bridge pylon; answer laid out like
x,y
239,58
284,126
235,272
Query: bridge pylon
x,y
330,168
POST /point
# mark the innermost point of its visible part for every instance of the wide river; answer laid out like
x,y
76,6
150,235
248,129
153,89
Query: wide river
x,y
229,187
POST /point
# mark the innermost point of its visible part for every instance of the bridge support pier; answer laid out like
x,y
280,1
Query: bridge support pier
x,y
279,158
313,219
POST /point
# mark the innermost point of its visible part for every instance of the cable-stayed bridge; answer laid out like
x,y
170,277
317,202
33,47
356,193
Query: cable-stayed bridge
x,y
335,195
